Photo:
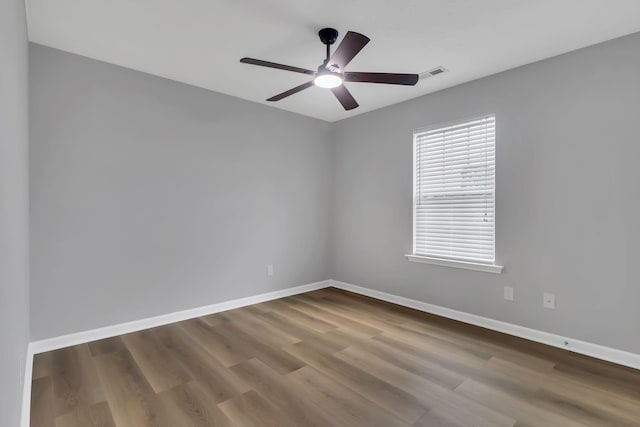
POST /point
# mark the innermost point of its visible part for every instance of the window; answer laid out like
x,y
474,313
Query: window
x,y
454,195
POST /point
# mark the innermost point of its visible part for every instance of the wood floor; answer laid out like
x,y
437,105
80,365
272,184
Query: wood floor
x,y
327,358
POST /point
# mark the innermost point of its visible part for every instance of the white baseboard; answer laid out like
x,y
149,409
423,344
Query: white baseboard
x,y
76,338
589,349
41,346
26,387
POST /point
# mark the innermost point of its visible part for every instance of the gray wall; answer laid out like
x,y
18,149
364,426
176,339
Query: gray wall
x,y
568,200
14,265
150,196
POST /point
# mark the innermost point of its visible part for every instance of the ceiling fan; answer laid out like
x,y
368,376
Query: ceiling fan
x,y
331,73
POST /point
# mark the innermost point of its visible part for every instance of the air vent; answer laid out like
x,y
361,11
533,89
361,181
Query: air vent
x,y
433,72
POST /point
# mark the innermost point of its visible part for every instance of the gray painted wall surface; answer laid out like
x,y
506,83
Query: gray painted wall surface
x,y
151,196
14,261
568,197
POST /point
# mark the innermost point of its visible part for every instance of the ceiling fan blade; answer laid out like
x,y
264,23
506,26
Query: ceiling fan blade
x,y
276,65
290,92
344,96
348,49
387,78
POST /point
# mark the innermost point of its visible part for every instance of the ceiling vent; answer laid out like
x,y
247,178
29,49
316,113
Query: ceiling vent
x,y
433,72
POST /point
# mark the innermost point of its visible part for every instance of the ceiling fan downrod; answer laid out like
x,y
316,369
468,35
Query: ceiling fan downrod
x,y
328,36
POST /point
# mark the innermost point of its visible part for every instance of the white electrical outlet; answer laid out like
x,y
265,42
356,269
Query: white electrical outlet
x,y
508,293
549,300
269,270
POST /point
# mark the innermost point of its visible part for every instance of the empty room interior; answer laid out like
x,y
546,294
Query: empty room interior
x,y
338,213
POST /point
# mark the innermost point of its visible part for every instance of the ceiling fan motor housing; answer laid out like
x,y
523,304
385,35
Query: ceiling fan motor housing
x,y
328,36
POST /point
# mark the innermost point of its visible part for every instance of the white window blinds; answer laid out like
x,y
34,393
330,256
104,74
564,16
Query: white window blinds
x,y
454,191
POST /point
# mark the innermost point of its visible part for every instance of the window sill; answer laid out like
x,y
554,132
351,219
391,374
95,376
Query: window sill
x,y
486,268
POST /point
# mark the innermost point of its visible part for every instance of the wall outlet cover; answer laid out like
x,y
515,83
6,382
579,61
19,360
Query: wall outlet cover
x,y
549,300
508,293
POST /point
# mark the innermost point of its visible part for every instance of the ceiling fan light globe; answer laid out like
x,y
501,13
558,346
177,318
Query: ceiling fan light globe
x,y
327,80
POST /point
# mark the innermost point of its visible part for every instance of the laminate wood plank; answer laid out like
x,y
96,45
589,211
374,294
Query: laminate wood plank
x,y
219,383
609,395
622,377
228,351
468,367
311,295
75,381
525,390
259,308
580,410
347,304
43,410
347,408
132,401
397,401
256,346
472,343
430,394
362,317
320,293
373,315
416,365
306,298
189,405
338,320
276,304
252,324
442,339
252,410
321,342
304,319
107,345
434,418
214,319
581,403
161,371
295,403
434,350
295,299
603,378
98,415
448,327
41,365
517,406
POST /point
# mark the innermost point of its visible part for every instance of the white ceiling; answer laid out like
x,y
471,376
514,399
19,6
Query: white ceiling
x,y
200,42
